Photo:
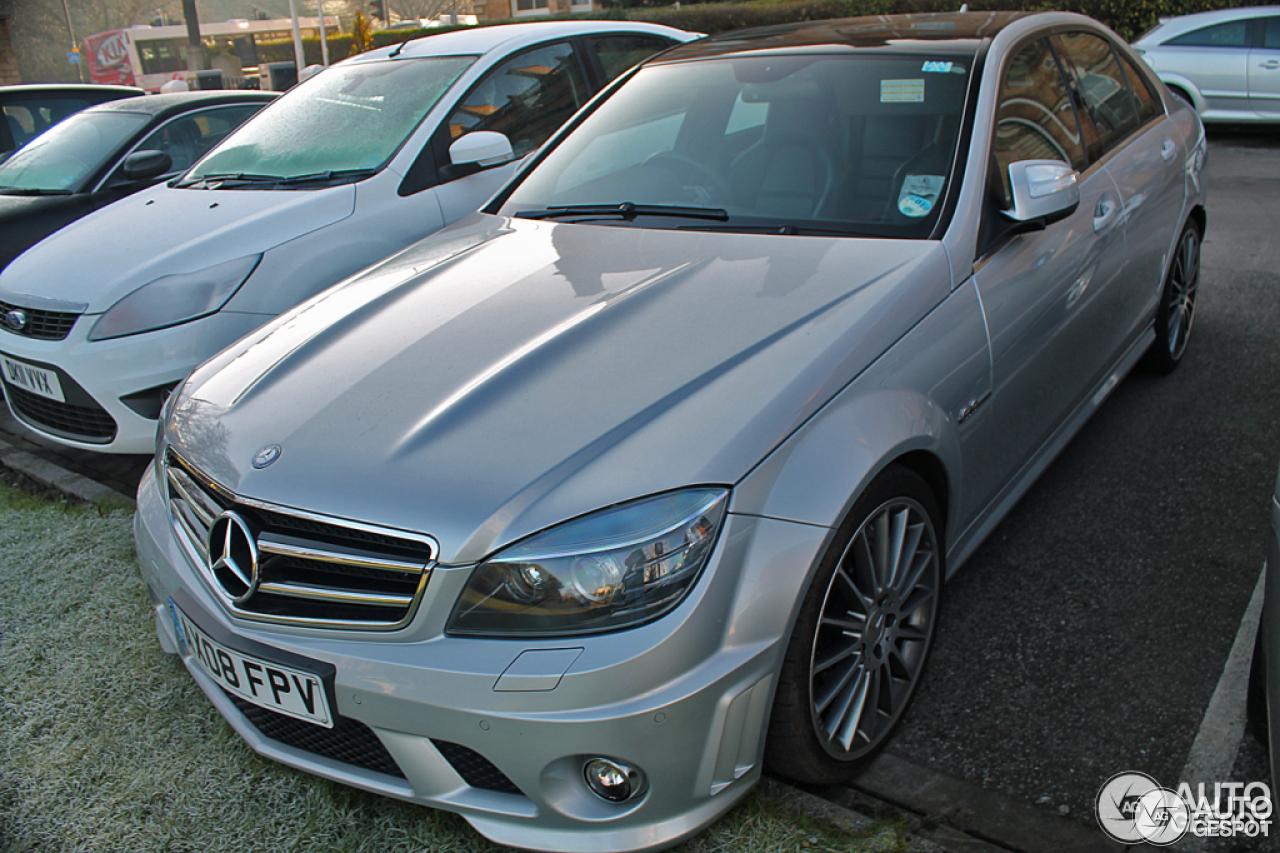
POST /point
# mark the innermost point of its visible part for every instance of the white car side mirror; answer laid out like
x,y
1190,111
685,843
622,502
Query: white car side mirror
x,y
482,148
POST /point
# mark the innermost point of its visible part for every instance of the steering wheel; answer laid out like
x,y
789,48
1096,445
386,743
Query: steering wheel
x,y
706,183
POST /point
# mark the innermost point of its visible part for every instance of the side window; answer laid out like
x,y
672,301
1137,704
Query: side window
x,y
1230,34
527,97
1149,105
1035,119
1100,84
1271,33
190,137
620,52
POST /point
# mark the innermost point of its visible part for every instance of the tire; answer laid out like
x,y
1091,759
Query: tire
x,y
1176,312
862,636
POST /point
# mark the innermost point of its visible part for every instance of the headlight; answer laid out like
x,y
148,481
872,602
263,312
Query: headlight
x,y
612,569
174,299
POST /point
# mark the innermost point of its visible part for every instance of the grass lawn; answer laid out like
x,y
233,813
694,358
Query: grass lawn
x,y
106,743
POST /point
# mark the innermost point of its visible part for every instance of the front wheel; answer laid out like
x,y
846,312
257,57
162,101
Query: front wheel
x,y
864,630
1177,307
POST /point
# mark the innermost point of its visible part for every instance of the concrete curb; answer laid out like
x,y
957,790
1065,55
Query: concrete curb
x,y
69,483
941,839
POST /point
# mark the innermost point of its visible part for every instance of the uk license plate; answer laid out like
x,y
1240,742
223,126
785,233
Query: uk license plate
x,y
37,380
265,683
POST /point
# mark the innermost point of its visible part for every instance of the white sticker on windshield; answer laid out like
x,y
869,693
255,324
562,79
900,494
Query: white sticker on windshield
x,y
902,91
936,67
919,194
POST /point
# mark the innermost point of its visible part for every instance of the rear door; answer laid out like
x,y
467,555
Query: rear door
x,y
1143,153
1264,69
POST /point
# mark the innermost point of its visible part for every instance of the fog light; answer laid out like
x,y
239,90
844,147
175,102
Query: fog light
x,y
613,781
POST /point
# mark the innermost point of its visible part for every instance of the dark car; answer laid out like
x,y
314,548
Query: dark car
x,y
32,109
107,152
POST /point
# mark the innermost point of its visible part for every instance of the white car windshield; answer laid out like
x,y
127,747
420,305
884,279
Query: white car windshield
x,y
344,123
63,158
818,144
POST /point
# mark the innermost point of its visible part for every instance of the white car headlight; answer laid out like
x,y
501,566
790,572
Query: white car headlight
x,y
611,569
174,299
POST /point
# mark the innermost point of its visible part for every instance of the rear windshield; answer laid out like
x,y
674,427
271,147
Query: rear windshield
x,y
63,158
793,144
351,117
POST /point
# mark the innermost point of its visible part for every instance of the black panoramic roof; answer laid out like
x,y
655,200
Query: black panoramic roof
x,y
179,102
957,32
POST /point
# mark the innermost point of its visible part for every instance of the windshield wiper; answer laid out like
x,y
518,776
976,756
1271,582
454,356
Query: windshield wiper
x,y
783,228
233,178
32,191
328,175
626,210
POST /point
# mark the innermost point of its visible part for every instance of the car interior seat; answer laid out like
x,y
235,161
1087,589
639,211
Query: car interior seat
x,y
791,170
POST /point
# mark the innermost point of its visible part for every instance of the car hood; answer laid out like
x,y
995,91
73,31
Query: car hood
x,y
505,375
162,231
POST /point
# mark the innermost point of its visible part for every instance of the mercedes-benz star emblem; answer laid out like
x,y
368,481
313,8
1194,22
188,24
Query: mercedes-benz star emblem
x,y
15,319
267,455
233,556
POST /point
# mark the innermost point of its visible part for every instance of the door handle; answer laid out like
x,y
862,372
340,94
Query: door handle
x,y
1168,150
1104,214
1271,64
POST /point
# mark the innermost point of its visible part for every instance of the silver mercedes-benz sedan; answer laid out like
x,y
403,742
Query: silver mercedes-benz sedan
x,y
574,516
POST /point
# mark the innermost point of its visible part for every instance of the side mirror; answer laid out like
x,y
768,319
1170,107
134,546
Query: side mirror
x,y
144,165
481,148
1044,191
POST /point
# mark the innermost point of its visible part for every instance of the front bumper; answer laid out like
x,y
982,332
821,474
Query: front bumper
x,y
685,699
96,375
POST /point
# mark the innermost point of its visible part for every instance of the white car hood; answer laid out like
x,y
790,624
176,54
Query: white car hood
x,y
108,254
504,375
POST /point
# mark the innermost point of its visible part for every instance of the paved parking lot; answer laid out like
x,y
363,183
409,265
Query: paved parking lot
x,y
1089,634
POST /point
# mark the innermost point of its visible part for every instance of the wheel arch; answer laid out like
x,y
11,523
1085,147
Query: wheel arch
x,y
817,475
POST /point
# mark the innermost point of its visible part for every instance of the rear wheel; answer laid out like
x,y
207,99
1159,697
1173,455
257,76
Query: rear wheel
x,y
865,628
1177,309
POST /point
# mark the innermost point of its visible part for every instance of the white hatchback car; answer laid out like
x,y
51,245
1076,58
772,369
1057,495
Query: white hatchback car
x,y
102,319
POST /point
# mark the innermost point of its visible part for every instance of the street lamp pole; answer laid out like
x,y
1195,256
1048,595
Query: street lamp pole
x,y
75,45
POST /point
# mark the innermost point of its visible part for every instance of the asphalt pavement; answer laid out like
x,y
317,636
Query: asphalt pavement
x,y
1089,634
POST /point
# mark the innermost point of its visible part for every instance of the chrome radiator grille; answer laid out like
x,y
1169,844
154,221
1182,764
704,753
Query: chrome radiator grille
x,y
305,569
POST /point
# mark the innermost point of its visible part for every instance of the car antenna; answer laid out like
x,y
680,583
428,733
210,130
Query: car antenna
x,y
393,54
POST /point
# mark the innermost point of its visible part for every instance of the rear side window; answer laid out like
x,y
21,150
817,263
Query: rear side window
x,y
527,97
1230,34
1148,104
620,52
1271,33
1100,84
1035,119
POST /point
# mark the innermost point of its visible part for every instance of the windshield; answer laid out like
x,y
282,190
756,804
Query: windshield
x,y
351,118
62,159
784,144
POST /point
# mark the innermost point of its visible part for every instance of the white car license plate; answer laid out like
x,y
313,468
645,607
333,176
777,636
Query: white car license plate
x,y
264,683
37,380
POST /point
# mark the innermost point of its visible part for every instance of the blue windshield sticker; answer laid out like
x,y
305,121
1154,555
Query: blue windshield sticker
x,y
919,194
937,67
